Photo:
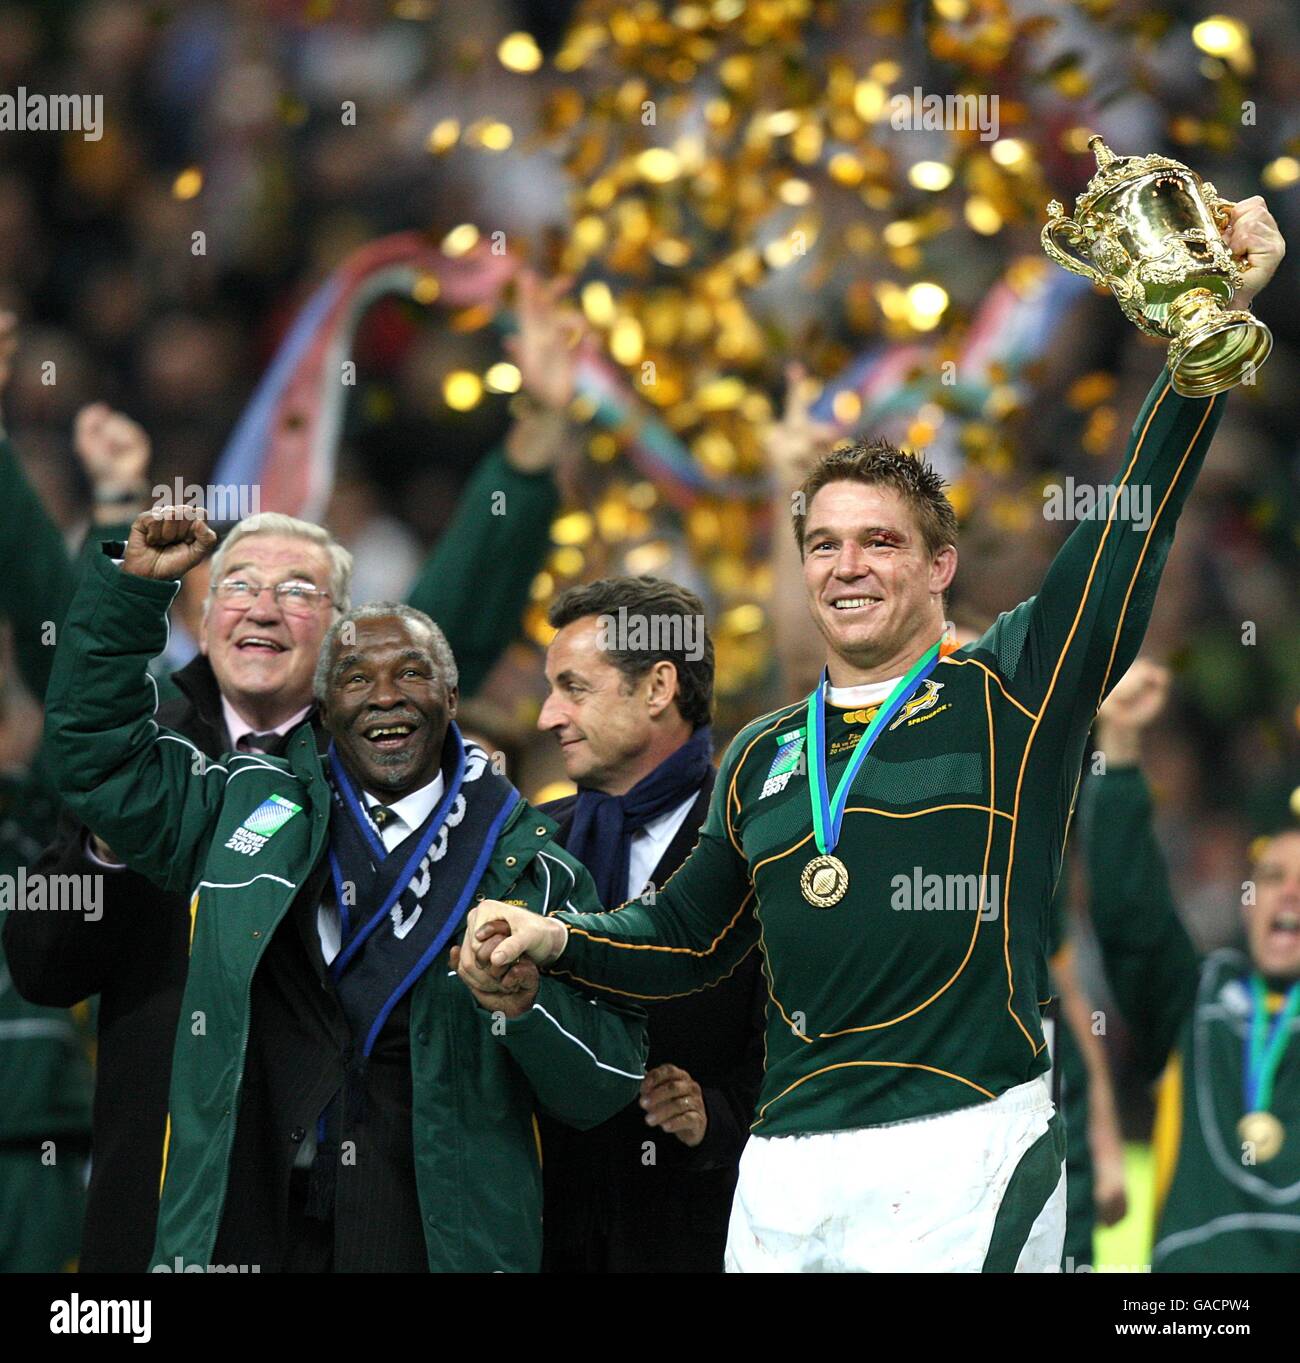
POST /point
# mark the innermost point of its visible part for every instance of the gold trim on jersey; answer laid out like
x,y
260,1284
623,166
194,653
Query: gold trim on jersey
x,y
654,998
167,1145
1056,672
988,671
1146,544
1167,1133
886,1064
654,946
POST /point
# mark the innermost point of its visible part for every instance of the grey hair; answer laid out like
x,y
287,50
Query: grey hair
x,y
443,657
277,523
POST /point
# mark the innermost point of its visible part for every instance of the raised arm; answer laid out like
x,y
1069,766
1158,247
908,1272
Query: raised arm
x,y
37,576
1150,962
1061,652
149,793
476,581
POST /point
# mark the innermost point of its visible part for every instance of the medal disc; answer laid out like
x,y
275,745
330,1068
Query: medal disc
x,y
824,882
1264,1132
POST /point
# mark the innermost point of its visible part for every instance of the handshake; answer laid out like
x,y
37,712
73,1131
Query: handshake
x,y
500,952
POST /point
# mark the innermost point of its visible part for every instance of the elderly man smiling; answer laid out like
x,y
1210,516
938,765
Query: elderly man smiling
x,y
317,1120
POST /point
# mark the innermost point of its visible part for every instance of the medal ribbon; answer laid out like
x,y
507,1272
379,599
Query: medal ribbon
x,y
828,812
1265,1046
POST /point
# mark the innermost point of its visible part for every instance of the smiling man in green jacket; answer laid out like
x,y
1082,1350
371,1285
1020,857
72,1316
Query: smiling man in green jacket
x,y
339,1101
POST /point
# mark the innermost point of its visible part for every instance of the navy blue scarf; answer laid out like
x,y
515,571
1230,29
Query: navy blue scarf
x,y
405,905
604,825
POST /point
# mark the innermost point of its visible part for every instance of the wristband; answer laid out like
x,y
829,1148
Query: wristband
x,y
120,496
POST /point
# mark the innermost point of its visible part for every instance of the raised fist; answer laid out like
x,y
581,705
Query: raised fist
x,y
167,541
113,449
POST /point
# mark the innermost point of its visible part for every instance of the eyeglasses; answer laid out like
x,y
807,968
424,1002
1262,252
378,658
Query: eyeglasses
x,y
294,598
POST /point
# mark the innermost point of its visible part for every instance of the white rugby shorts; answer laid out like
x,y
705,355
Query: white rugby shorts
x,y
981,1189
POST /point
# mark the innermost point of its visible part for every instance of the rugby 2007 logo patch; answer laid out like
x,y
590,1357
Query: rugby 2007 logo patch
x,y
262,825
788,760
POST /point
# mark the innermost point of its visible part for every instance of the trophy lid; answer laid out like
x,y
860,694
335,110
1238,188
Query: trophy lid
x,y
1113,171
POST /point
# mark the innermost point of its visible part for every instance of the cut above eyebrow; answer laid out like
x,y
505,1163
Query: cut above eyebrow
x,y
824,532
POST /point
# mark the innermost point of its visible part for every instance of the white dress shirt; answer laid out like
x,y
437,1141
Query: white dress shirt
x,y
650,843
237,726
407,814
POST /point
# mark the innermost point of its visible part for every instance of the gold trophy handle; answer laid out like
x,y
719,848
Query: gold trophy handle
x,y
1068,231
1218,207
1219,211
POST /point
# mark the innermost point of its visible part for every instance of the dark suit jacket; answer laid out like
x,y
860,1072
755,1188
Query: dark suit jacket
x,y
607,1209
135,958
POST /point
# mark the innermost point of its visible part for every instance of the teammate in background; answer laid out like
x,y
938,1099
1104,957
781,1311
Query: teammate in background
x,y
1225,1029
904,1121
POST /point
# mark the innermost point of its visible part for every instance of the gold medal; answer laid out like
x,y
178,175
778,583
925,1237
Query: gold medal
x,y
824,882
1264,1132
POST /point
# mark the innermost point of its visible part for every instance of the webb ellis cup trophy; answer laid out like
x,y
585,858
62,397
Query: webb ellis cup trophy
x,y
1148,230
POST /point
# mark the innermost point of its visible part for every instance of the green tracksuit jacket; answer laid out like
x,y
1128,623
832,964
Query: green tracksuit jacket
x,y
170,813
1217,1209
898,1002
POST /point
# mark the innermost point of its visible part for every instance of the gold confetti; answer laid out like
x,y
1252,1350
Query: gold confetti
x,y
188,183
626,341
461,390
572,528
1281,173
503,377
982,215
930,175
443,135
658,165
426,288
460,240
519,52
598,303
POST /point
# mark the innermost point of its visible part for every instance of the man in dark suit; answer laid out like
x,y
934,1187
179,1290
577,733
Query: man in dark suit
x,y
246,692
631,691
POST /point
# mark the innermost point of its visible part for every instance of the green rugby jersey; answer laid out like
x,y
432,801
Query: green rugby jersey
x,y
884,1007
